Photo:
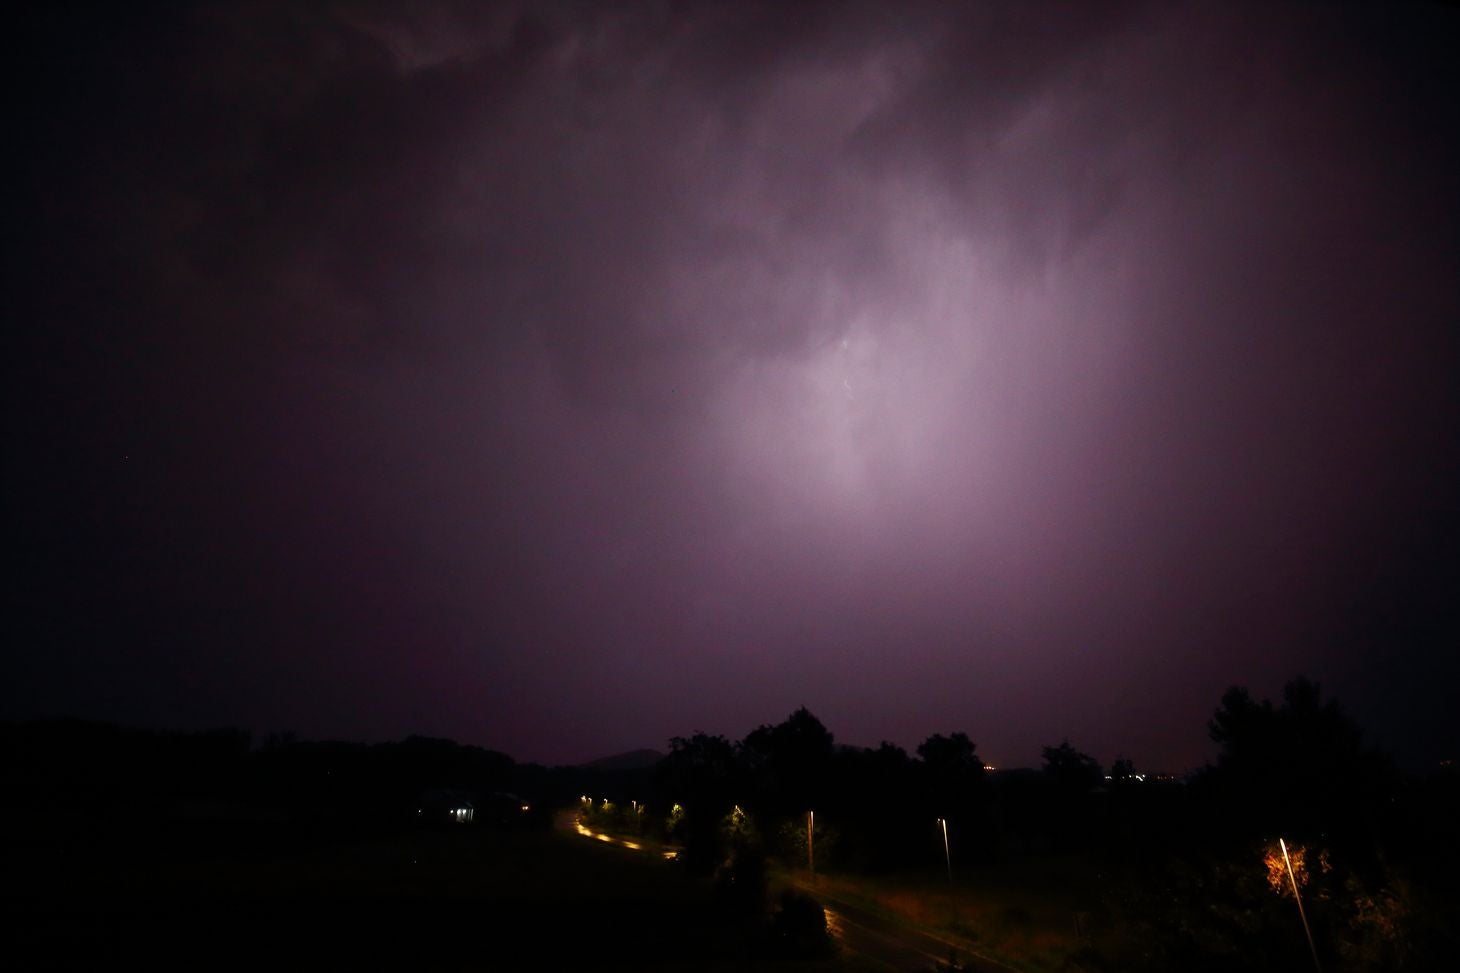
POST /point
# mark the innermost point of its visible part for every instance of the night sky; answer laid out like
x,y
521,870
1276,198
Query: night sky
x,y
562,377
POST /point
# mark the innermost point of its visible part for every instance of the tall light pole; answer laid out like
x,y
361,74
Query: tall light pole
x,y
1298,899
948,860
810,845
947,857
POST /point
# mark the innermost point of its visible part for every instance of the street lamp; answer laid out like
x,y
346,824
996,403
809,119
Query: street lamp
x,y
810,846
1298,899
947,857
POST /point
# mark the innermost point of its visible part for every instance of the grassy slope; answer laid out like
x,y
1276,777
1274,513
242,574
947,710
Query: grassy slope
x,y
1024,914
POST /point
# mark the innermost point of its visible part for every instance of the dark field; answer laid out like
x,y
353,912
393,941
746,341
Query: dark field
x,y
471,897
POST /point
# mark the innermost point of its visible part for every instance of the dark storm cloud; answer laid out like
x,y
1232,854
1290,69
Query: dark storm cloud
x,y
575,375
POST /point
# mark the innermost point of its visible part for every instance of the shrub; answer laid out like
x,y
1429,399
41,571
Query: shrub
x,y
798,927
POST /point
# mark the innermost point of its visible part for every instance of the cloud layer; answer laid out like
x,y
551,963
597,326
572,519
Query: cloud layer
x,y
568,377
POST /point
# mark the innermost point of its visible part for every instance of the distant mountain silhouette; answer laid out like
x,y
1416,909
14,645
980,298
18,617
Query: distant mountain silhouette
x,y
632,760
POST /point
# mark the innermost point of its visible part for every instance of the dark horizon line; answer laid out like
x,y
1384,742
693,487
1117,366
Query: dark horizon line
x,y
260,740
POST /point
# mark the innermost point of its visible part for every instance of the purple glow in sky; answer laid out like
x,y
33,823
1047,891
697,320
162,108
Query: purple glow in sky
x,y
564,377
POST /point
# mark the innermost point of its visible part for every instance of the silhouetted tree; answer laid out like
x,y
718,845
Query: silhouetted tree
x,y
1300,767
701,774
879,807
798,927
1071,771
790,763
953,774
1069,776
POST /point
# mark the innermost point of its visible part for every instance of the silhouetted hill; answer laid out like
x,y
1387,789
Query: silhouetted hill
x,y
632,760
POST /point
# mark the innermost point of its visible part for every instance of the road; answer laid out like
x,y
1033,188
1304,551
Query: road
x,y
894,945
881,941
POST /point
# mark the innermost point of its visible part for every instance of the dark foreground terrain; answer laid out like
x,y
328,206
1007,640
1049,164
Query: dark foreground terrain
x,y
473,897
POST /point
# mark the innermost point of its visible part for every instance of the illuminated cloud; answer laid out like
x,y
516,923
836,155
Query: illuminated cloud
x,y
566,377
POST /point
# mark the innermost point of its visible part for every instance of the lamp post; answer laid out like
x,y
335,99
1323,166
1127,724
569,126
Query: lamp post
x,y
810,845
947,857
1298,899
948,861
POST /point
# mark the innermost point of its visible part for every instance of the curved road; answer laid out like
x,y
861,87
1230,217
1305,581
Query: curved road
x,y
894,945
856,930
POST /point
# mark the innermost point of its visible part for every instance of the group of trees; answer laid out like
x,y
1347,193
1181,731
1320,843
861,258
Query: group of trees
x,y
1300,765
1189,866
875,809
1294,783
1298,768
